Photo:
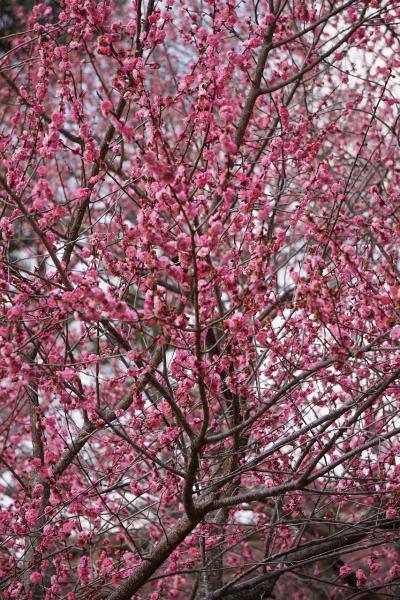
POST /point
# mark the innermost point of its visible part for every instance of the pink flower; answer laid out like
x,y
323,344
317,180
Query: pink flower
x,y
228,146
42,171
84,569
31,516
106,107
82,193
130,252
391,513
394,571
58,119
395,333
361,578
35,577
226,113
345,570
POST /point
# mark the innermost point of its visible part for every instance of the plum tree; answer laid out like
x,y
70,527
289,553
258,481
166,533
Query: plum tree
x,y
199,300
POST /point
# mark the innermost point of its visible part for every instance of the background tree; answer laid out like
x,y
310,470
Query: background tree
x,y
199,296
